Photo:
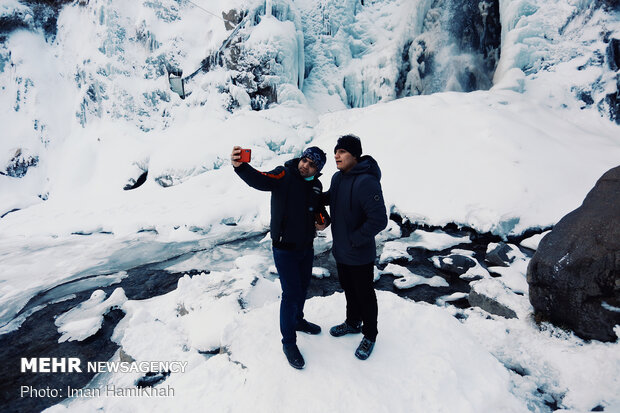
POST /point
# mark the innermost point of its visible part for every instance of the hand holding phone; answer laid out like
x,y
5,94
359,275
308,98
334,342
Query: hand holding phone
x,y
239,156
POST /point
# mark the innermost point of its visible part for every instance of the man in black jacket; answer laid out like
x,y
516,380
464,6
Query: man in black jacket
x,y
295,204
358,214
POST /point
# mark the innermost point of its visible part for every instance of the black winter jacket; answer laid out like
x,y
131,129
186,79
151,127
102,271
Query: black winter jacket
x,y
357,212
294,202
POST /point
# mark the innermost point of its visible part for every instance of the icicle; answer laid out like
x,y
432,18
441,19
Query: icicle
x,y
268,8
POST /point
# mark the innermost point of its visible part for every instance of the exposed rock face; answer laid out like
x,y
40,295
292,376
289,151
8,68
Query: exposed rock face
x,y
490,304
613,54
574,277
471,31
19,164
499,255
32,15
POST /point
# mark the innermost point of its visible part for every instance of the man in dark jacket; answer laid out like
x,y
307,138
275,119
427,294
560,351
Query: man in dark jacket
x,y
358,214
295,204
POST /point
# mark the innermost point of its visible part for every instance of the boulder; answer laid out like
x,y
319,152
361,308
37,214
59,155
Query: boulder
x,y
454,263
574,276
490,304
497,254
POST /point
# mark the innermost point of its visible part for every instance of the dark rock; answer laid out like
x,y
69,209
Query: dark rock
x,y
232,18
404,69
40,14
612,101
585,97
489,304
152,379
613,54
12,22
574,276
455,263
19,164
133,184
499,255
613,5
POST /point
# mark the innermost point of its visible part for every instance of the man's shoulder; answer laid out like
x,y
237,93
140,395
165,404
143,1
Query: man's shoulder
x,y
317,184
278,172
367,182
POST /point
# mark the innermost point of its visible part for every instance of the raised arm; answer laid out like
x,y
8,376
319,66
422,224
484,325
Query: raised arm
x,y
263,181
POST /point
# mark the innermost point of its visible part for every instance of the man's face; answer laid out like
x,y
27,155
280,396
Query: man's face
x,y
307,168
344,160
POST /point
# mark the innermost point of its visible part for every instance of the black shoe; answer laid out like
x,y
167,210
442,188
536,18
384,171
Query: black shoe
x,y
294,357
344,328
308,327
364,349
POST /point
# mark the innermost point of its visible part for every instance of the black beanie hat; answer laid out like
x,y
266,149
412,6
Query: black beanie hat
x,y
351,144
316,155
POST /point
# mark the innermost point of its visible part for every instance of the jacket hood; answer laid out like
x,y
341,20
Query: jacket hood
x,y
366,165
293,164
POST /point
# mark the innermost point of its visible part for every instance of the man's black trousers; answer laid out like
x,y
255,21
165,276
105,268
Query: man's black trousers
x,y
357,283
295,270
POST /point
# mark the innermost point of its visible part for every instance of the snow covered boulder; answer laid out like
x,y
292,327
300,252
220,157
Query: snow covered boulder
x,y
574,277
497,254
493,297
454,263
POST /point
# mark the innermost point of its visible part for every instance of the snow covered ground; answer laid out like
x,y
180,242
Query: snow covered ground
x,y
224,324
94,107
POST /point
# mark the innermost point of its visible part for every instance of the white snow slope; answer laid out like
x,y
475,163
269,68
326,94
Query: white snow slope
x,y
93,104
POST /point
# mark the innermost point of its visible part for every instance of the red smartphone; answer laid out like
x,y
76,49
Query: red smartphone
x,y
246,154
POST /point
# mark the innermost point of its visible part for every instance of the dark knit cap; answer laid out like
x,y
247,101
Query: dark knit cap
x,y
351,144
316,155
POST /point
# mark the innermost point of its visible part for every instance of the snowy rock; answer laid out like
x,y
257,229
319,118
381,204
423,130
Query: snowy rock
x,y
514,276
457,50
14,16
18,166
413,280
444,299
41,14
494,297
432,241
86,319
391,232
497,254
613,54
454,263
576,269
613,101
409,280
533,241
232,18
320,272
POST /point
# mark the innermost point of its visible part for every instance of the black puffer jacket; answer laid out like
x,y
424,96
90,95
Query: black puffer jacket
x,y
294,202
357,212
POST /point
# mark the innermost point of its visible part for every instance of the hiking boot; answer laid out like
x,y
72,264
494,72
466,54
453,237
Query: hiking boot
x,y
307,327
294,357
364,349
344,328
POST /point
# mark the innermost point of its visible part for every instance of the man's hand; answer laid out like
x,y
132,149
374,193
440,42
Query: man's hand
x,y
236,154
320,227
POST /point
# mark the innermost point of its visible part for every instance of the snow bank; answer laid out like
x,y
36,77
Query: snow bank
x,y
415,366
85,319
493,161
